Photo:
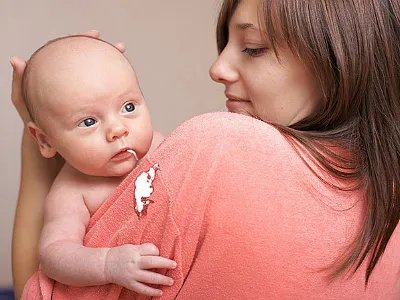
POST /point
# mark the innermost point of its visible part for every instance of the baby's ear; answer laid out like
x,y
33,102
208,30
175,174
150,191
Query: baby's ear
x,y
45,147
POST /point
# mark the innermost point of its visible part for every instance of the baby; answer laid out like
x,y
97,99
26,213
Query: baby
x,y
86,105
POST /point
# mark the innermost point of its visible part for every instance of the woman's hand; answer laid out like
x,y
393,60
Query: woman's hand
x,y
16,92
96,34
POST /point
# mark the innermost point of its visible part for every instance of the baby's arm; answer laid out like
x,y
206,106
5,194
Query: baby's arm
x,y
65,259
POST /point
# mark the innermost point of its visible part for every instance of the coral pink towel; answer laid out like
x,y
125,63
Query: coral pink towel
x,y
242,215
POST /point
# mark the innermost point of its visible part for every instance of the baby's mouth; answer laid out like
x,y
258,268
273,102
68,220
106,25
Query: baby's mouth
x,y
125,153
133,153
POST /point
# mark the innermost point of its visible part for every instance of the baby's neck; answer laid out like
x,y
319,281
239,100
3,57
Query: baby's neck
x,y
95,178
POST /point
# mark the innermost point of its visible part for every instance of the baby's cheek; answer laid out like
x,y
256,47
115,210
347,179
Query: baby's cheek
x,y
143,143
92,154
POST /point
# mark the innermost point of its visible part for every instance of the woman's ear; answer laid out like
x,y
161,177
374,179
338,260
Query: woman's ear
x,y
45,146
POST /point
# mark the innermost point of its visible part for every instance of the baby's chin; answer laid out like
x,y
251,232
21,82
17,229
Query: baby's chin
x,y
120,170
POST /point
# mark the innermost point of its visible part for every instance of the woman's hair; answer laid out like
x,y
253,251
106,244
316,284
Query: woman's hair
x,y
353,48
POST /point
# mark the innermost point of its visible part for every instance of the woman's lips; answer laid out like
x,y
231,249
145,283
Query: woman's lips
x,y
234,105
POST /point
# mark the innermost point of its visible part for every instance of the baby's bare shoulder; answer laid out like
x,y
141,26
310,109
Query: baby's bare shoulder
x,y
97,189
72,185
158,137
68,179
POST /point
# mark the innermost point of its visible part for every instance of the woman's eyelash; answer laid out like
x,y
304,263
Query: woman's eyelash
x,y
254,51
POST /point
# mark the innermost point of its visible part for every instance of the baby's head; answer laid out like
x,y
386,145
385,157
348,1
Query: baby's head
x,y
86,104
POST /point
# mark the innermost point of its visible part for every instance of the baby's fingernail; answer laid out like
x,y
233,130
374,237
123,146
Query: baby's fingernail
x,y
160,293
174,265
171,282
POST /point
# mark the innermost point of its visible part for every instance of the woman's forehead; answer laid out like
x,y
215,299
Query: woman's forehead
x,y
246,11
248,16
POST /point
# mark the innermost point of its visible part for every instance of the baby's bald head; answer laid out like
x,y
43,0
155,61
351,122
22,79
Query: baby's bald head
x,y
66,65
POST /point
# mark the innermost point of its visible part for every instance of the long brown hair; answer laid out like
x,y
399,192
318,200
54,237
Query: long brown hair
x,y
353,48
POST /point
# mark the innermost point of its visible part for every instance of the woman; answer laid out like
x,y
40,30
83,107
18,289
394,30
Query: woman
x,y
307,211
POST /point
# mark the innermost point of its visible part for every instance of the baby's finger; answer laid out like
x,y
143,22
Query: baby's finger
x,y
143,289
153,278
156,262
148,249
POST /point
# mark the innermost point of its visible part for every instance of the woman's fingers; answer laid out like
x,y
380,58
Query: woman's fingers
x,y
18,65
92,33
120,46
95,34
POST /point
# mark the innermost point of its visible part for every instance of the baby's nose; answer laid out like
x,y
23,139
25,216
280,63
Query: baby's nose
x,y
116,131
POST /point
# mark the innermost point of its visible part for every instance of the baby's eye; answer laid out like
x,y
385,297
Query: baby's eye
x,y
87,122
129,107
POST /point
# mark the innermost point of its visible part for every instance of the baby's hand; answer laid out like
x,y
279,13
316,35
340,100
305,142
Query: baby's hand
x,y
129,265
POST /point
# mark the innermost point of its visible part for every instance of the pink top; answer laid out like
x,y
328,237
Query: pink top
x,y
242,215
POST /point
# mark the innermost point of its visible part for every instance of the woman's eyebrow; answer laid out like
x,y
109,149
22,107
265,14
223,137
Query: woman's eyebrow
x,y
244,26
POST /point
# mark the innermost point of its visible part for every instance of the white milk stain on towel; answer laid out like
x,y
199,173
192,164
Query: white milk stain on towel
x,y
143,190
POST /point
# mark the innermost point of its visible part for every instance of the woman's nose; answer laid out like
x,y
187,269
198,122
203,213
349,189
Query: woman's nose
x,y
116,131
223,70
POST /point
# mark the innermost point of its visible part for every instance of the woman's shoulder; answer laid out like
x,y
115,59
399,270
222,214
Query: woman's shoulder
x,y
239,151
230,131
225,123
235,146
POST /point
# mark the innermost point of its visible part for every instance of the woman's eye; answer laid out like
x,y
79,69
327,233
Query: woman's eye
x,y
129,107
87,122
254,52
